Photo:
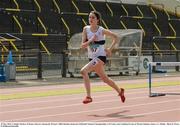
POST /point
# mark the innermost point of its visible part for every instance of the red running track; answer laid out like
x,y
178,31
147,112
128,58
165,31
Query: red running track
x,y
106,107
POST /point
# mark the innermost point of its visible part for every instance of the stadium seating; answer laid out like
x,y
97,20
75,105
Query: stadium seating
x,y
25,4
23,18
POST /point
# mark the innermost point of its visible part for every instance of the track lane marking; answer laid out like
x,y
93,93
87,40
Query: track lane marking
x,y
77,98
72,113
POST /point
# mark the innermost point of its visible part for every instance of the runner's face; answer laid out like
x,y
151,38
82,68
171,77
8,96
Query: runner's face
x,y
93,19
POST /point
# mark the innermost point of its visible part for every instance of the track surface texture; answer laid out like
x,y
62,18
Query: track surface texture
x,y
106,105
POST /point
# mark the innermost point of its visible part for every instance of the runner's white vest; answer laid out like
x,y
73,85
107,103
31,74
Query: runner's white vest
x,y
95,49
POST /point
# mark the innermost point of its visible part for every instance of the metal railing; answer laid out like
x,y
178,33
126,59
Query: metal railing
x,y
37,62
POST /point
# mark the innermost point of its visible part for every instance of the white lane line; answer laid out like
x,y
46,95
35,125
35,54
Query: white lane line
x,y
55,85
65,99
96,110
51,86
51,97
68,105
76,98
135,115
39,88
129,90
64,86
